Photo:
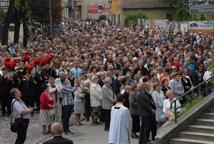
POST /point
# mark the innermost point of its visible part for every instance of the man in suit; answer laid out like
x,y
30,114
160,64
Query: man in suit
x,y
56,129
146,109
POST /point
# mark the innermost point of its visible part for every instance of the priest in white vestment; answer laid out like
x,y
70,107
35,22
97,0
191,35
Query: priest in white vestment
x,y
121,123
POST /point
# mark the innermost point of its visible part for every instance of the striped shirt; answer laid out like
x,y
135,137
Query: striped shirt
x,y
66,95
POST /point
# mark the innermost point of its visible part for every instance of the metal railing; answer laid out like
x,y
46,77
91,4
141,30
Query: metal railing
x,y
201,90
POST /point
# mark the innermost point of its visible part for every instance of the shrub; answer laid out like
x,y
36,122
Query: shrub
x,y
132,17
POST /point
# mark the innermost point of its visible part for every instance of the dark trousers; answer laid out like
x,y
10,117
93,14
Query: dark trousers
x,y
153,128
87,111
145,130
102,115
66,114
6,104
135,123
22,131
3,105
107,119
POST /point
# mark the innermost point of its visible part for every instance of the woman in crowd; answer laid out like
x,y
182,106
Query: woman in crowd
x,y
125,93
55,113
168,106
158,97
165,86
186,81
79,103
46,104
133,111
20,113
176,86
96,99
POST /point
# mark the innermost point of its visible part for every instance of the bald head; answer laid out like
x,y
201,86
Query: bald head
x,y
56,129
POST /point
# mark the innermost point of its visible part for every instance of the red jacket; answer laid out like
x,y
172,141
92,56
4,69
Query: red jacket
x,y
45,101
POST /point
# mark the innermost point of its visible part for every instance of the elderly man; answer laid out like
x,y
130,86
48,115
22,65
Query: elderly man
x,y
108,100
57,130
67,101
146,109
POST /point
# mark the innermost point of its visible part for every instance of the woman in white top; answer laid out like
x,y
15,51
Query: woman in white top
x,y
95,99
79,102
158,97
168,107
20,113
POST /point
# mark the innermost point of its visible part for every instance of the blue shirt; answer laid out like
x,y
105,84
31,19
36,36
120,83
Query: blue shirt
x,y
77,72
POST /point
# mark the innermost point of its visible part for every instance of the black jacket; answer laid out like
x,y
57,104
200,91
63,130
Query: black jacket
x,y
145,104
58,140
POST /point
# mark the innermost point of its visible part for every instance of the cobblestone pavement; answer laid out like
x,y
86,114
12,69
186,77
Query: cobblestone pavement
x,y
85,134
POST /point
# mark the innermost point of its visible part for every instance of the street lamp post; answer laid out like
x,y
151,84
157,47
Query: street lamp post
x,y
50,19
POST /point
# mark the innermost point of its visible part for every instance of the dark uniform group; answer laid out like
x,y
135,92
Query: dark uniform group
x,y
28,84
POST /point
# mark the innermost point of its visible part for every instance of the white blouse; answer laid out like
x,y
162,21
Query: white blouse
x,y
167,103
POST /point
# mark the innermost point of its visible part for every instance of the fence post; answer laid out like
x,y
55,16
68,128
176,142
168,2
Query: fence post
x,y
175,111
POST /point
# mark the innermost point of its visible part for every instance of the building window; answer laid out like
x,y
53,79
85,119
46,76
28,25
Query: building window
x,y
118,20
114,19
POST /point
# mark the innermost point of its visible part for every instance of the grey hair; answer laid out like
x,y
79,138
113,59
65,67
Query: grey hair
x,y
107,79
56,129
13,92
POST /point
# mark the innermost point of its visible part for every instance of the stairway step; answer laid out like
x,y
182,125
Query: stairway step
x,y
188,141
197,135
200,128
211,109
204,121
209,115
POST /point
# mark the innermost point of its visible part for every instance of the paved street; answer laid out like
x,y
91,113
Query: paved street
x,y
86,134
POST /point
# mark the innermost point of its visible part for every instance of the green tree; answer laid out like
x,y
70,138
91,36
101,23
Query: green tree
x,y
17,13
102,17
2,16
132,17
182,11
39,12
7,22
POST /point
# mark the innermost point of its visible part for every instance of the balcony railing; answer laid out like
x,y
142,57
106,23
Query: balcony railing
x,y
4,3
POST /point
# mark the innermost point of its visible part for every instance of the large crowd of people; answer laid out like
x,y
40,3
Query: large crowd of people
x,y
88,64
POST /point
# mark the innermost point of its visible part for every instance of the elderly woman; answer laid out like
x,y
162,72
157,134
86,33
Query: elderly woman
x,y
46,104
96,99
158,97
168,106
108,100
53,90
79,102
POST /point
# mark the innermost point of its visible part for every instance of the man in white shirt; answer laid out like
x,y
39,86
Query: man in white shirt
x,y
20,113
206,77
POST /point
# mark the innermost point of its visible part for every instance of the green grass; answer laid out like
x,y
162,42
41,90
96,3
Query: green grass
x,y
189,107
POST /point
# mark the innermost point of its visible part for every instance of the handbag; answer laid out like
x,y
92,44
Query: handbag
x,y
14,126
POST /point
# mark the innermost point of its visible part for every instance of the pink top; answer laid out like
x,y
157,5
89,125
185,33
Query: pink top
x,y
46,101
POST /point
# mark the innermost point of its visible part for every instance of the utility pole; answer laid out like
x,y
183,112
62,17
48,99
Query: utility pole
x,y
51,19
